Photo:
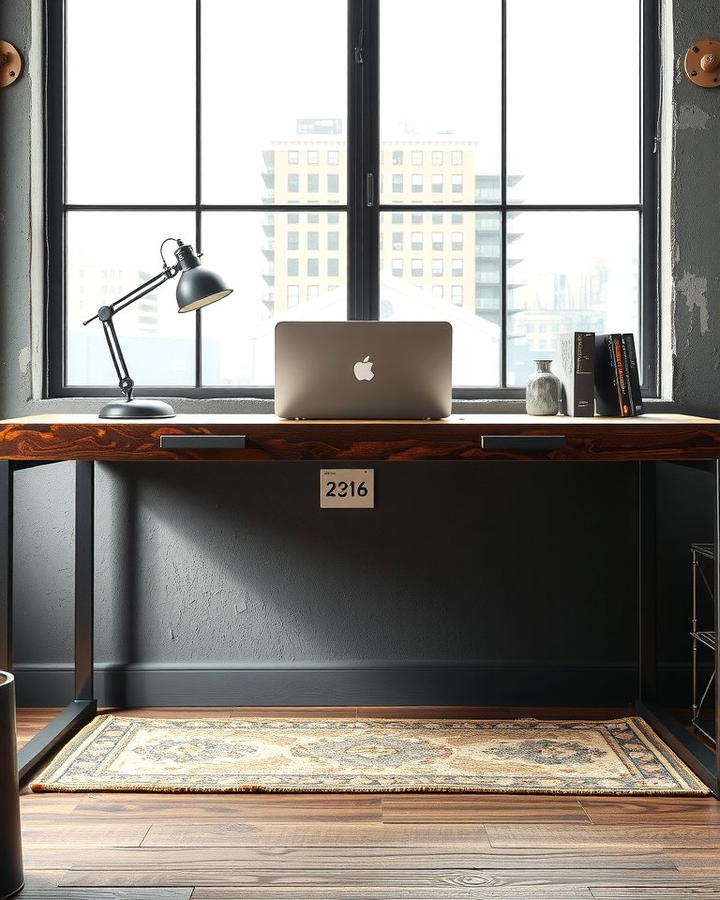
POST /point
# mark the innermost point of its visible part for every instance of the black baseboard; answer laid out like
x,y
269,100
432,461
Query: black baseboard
x,y
352,684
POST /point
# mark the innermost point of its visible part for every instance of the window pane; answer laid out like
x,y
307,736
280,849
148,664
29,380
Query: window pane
x,y
130,68
250,250
274,97
440,100
573,131
109,254
462,288
568,271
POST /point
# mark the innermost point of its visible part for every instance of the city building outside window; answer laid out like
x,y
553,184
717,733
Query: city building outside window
x,y
293,157
293,266
457,157
313,240
333,267
293,295
333,157
417,184
437,184
312,157
437,240
456,294
333,240
416,157
416,268
313,267
313,184
437,157
417,240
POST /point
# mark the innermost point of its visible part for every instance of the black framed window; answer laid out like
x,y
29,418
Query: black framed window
x,y
407,170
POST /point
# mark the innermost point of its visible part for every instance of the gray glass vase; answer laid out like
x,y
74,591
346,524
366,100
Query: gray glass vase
x,y
542,395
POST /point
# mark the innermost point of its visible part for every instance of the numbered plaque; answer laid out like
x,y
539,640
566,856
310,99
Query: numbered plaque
x,y
347,489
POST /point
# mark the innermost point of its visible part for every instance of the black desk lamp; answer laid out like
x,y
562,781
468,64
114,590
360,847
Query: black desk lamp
x,y
197,287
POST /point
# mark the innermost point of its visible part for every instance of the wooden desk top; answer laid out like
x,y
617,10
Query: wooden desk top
x,y
55,437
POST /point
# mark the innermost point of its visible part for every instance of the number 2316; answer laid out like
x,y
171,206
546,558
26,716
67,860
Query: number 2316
x,y
346,489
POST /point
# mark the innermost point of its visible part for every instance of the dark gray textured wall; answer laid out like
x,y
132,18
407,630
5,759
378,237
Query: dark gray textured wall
x,y
468,584
695,201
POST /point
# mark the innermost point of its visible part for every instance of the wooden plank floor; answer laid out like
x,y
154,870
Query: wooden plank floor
x,y
366,846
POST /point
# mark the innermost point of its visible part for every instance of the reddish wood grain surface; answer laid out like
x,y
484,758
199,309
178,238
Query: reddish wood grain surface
x,y
71,438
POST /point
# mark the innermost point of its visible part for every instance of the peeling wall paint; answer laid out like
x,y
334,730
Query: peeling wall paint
x,y
691,116
24,357
694,290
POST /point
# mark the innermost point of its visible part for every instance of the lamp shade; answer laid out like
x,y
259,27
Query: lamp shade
x,y
199,287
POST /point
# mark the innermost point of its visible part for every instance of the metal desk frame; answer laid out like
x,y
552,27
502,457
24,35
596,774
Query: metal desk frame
x,y
696,754
83,707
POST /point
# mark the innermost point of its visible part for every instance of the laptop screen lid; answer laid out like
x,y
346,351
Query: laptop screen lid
x,y
363,370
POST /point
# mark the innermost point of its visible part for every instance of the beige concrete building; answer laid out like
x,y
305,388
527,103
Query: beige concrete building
x,y
453,256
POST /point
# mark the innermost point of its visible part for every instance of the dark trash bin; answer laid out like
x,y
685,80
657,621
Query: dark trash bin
x,y
11,869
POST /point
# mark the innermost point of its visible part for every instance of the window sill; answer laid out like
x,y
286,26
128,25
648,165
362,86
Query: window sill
x,y
258,405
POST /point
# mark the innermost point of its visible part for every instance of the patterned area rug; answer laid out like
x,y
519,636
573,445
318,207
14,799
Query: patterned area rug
x,y
118,753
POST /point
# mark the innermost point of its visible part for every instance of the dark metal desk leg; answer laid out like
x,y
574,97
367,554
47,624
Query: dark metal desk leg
x,y
647,598
82,709
6,578
84,579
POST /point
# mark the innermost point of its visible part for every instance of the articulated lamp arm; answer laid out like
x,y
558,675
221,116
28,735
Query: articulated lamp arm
x,y
106,313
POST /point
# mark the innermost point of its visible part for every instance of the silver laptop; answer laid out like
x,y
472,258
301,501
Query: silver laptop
x,y
363,370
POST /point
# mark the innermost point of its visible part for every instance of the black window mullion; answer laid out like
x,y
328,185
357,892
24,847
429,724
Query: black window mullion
x,y
650,195
54,142
198,180
503,196
362,159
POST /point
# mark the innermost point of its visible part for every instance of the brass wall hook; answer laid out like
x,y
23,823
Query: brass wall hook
x,y
702,63
10,64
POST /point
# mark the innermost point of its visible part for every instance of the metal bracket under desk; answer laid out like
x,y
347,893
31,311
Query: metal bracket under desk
x,y
84,705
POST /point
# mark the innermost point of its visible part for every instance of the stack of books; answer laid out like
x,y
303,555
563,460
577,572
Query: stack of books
x,y
599,371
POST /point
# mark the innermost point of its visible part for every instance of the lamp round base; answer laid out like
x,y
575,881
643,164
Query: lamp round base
x,y
137,408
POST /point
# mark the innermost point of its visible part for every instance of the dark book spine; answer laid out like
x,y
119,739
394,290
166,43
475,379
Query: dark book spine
x,y
628,342
624,402
583,373
606,393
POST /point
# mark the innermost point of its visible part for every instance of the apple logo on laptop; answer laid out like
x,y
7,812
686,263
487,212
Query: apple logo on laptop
x,y
363,370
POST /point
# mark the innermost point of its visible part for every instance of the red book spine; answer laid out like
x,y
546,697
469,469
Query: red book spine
x,y
622,382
